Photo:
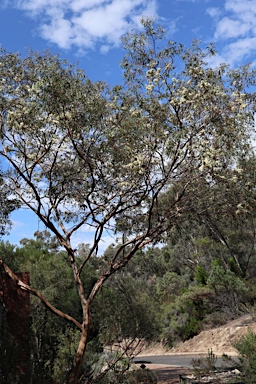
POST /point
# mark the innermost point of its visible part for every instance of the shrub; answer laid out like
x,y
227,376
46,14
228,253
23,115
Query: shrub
x,y
246,347
204,365
138,376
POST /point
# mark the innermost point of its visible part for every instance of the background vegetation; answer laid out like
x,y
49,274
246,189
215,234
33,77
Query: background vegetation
x,y
168,294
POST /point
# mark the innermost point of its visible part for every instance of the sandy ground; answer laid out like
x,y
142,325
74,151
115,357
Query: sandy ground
x,y
220,340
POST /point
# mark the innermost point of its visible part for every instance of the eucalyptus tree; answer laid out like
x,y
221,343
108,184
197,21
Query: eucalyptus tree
x,y
223,223
82,155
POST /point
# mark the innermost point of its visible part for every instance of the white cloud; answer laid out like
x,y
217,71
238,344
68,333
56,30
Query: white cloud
x,y
236,28
214,11
59,32
240,6
85,23
242,48
229,28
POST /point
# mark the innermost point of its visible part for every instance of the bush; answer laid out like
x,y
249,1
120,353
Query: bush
x,y
216,319
246,347
205,365
138,376
141,376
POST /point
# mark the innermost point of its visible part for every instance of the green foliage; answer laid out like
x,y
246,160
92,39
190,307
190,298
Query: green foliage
x,y
195,304
246,347
8,352
8,250
230,289
200,275
127,311
169,286
183,319
8,203
65,350
192,327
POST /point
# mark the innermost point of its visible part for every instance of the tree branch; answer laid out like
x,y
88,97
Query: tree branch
x,y
34,292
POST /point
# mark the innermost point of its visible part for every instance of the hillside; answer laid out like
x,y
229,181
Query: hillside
x,y
218,339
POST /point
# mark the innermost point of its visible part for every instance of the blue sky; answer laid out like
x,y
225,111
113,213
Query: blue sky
x,y
88,32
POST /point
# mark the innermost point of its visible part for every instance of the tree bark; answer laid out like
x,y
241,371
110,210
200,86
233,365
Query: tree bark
x,y
78,360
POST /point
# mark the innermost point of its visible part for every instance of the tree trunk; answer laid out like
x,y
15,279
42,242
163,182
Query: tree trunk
x,y
73,376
